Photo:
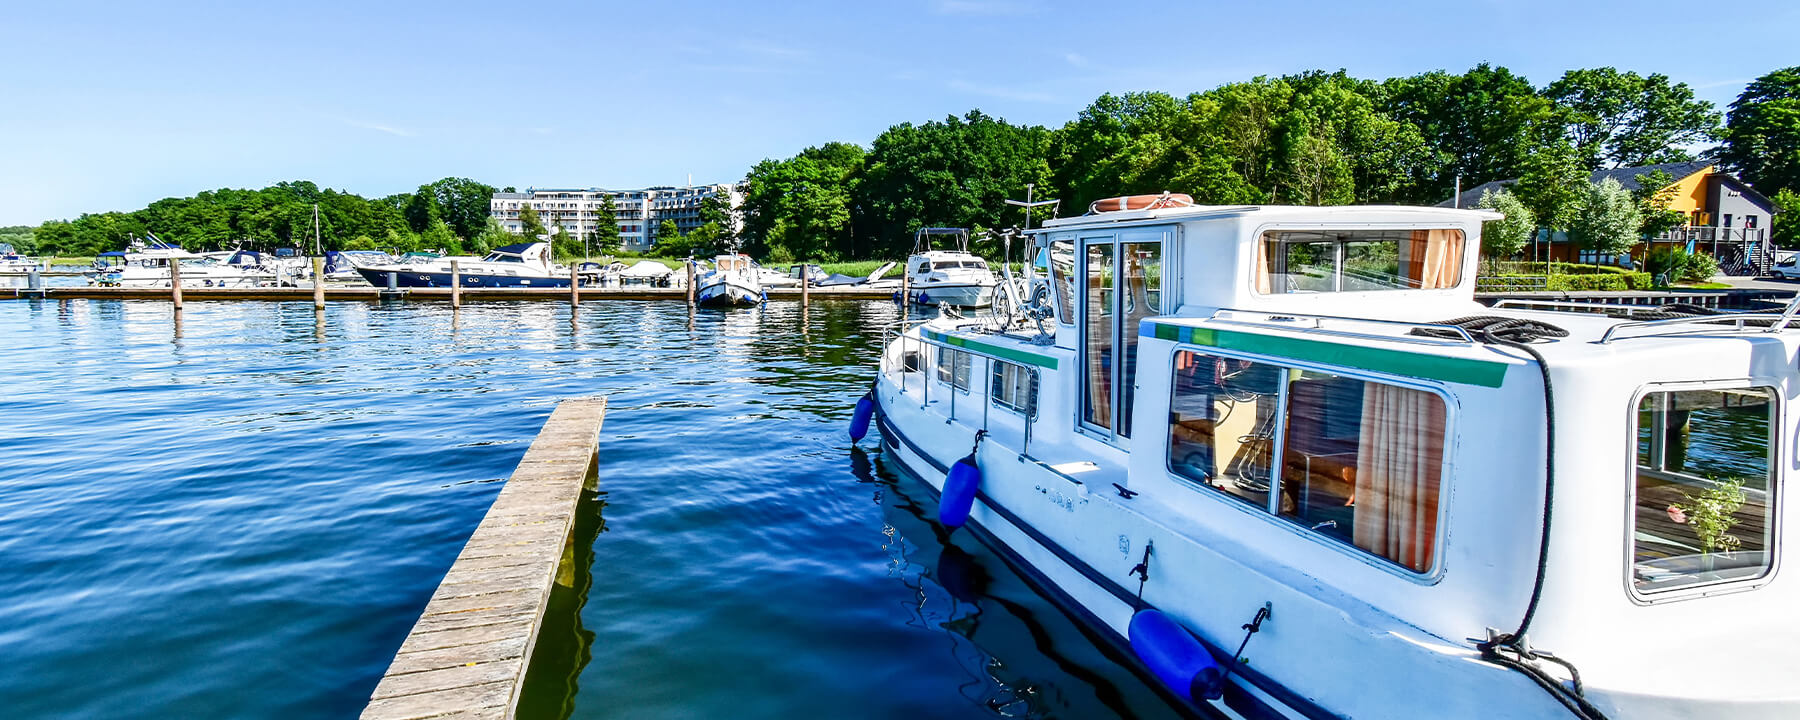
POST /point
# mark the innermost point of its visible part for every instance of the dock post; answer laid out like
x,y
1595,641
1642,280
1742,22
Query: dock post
x,y
319,283
575,288
905,291
805,286
175,282
393,286
455,284
690,281
34,284
469,651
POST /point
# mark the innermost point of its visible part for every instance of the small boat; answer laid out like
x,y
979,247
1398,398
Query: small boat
x,y
813,274
1282,461
733,280
955,277
512,266
146,262
771,277
873,281
341,265
647,272
12,263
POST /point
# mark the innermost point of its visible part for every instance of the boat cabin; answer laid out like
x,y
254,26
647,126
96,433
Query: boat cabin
x,y
1307,407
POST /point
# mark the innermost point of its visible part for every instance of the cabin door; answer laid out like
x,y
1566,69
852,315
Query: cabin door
x,y
1122,285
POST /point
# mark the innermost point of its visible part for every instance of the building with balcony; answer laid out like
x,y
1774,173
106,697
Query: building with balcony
x,y
638,213
1725,218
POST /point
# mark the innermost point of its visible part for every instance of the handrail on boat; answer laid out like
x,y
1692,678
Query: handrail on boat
x,y
1281,320
1777,322
1526,303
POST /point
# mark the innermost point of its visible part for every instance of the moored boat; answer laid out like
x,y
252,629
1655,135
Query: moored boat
x,y
146,264
733,280
11,262
955,276
1282,459
511,266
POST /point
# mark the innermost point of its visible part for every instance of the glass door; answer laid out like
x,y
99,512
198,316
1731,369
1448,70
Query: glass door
x,y
1123,283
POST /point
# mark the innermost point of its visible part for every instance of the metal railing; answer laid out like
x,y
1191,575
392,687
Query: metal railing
x,y
898,329
1290,321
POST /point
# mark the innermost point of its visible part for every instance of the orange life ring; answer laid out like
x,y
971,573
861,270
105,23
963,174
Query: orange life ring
x,y
1141,202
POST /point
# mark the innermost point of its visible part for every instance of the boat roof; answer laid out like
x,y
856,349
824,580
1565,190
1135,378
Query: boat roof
x,y
1275,213
513,249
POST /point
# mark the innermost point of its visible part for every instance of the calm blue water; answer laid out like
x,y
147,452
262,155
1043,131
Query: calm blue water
x,y
242,515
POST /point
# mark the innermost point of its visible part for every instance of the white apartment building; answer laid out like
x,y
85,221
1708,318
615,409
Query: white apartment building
x,y
638,212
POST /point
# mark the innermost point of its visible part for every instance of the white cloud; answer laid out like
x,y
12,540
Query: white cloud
x,y
389,129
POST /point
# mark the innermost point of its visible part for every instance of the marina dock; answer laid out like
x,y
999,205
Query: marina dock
x,y
468,653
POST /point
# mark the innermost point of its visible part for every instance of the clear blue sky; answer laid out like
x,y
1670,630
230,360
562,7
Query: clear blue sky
x,y
109,106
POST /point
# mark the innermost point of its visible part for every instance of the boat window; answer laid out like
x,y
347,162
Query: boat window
x,y
1142,298
1062,273
924,266
1704,497
1315,261
953,367
1361,462
1014,387
1098,335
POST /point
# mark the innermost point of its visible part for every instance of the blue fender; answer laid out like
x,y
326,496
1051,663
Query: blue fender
x,y
1175,656
959,492
859,420
924,298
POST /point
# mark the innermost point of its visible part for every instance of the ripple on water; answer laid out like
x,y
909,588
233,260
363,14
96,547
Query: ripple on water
x,y
241,516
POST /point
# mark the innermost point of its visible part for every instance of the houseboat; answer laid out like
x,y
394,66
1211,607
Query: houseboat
x,y
954,276
1283,459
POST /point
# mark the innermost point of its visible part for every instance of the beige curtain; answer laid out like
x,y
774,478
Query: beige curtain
x,y
1435,258
1398,462
1265,250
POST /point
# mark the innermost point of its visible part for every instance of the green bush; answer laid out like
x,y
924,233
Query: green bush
x,y
1699,267
1627,280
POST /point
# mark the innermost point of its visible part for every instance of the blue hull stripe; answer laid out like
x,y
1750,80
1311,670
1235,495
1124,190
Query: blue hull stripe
x,y
410,279
1244,703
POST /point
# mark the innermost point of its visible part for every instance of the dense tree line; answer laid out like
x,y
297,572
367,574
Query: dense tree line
x,y
450,214
1314,138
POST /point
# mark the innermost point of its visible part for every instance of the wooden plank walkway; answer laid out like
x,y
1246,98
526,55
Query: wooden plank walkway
x,y
466,656
369,294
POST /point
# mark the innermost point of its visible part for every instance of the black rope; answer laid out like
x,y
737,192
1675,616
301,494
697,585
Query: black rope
x,y
1520,333
1250,630
1142,570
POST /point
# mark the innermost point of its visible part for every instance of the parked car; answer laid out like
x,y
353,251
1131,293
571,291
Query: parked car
x,y
1787,269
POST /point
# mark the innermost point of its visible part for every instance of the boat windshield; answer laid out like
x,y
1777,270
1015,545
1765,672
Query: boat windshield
x,y
1704,498
1319,261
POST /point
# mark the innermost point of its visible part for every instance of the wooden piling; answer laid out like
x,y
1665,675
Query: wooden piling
x,y
319,282
575,287
455,284
468,653
690,281
905,290
175,282
805,285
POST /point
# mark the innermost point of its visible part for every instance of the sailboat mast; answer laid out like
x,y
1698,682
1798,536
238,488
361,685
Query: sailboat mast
x,y
318,247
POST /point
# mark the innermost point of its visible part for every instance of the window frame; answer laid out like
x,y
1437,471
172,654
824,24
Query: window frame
x,y
1446,484
1033,383
1258,259
1724,587
938,367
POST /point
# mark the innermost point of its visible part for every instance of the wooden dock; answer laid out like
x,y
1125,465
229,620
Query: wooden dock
x,y
469,295
467,655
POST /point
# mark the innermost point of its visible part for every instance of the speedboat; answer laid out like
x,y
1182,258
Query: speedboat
x,y
733,280
146,262
646,272
771,277
11,262
1282,461
812,274
520,265
341,265
956,276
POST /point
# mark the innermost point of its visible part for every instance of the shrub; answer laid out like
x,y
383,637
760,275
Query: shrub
x,y
1699,267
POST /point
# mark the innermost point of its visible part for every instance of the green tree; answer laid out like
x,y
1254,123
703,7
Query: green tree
x,y
1606,219
422,210
1622,119
801,206
1552,185
1484,125
440,237
955,173
715,210
1654,194
529,225
605,235
463,203
21,238
1786,232
668,238
1509,235
1762,132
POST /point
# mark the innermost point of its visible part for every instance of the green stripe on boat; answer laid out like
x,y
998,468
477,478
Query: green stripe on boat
x,y
1434,367
1004,353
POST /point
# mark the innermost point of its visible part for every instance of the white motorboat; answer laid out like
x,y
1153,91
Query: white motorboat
x,y
956,276
146,263
12,263
1282,460
733,280
647,272
341,265
771,277
519,265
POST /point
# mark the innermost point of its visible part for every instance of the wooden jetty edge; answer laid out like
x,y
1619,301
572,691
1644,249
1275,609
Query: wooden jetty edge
x,y
467,655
